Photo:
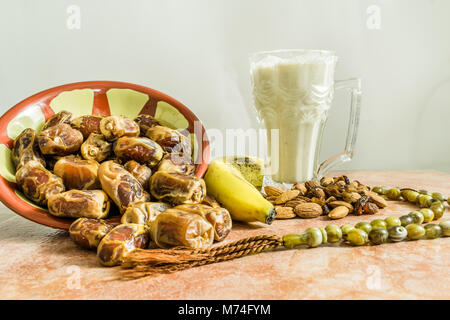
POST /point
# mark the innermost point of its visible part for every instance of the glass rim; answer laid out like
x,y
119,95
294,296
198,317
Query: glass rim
x,y
278,51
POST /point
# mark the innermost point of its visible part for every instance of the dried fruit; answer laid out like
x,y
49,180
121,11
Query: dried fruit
x,y
338,212
284,213
308,210
326,181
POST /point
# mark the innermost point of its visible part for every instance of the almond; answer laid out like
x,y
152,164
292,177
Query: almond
x,y
338,203
284,213
308,210
378,200
272,191
300,187
338,212
286,196
294,202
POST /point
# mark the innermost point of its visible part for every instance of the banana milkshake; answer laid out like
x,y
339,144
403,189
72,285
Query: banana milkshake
x,y
292,94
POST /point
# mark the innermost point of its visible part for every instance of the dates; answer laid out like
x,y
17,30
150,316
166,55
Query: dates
x,y
176,162
174,227
172,141
96,148
119,242
143,212
60,140
25,149
114,127
58,118
140,149
219,218
123,188
87,232
177,188
79,203
87,124
146,121
141,172
77,173
37,183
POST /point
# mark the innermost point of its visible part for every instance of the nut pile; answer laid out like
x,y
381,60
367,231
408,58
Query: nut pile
x,y
335,197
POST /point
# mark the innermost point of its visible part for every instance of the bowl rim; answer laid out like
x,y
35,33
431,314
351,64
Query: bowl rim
x,y
7,195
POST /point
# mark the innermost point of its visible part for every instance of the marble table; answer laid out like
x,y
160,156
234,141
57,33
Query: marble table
x,y
38,262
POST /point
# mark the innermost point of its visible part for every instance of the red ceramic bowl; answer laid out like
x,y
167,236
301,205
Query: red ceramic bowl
x,y
91,97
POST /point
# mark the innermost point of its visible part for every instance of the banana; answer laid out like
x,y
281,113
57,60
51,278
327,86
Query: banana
x,y
251,168
244,202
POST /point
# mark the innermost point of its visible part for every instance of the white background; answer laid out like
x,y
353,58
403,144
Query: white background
x,y
196,51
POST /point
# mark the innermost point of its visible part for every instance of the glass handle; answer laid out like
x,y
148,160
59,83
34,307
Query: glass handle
x,y
354,87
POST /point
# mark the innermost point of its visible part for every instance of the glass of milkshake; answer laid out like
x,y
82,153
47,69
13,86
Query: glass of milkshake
x,y
292,93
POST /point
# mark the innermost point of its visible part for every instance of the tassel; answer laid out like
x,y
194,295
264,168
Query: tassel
x,y
151,262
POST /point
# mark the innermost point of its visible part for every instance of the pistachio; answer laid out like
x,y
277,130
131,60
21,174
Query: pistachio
x,y
308,210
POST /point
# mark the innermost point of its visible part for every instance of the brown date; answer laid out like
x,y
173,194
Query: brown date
x,y
122,187
37,183
172,141
140,171
87,124
79,203
140,149
77,173
120,241
177,188
146,121
219,218
87,232
176,162
114,127
143,212
60,140
58,118
96,148
25,149
174,227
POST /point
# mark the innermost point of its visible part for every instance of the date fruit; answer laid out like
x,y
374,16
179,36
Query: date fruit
x,y
114,127
122,187
140,149
60,140
120,241
25,149
140,171
77,173
96,148
87,232
37,183
58,118
87,124
79,203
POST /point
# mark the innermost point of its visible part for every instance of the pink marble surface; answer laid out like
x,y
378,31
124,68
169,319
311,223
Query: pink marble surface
x,y
42,263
